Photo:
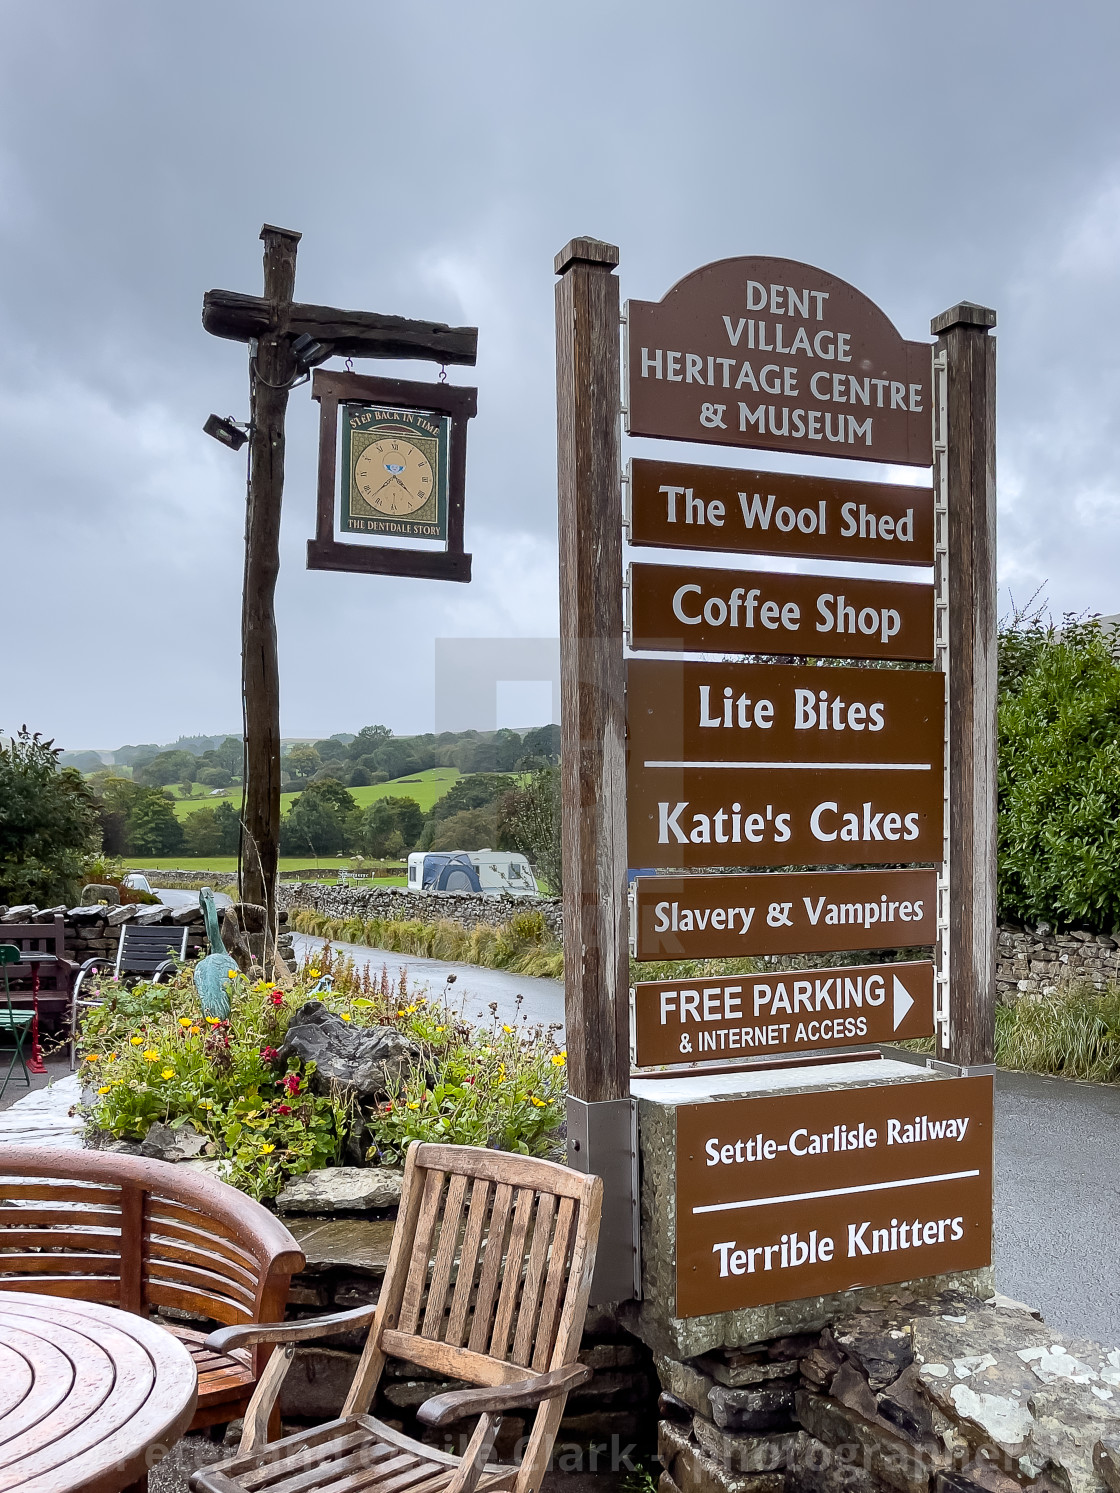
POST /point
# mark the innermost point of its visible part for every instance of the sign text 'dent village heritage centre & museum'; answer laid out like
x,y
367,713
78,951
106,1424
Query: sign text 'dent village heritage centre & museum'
x,y
748,762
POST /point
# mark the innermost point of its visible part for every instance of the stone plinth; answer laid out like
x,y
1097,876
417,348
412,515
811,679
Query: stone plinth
x,y
653,1318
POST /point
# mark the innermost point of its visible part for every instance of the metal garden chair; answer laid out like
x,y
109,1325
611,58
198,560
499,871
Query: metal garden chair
x,y
16,1022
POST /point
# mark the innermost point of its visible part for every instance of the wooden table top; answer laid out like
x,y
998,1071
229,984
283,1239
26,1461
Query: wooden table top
x,y
90,1397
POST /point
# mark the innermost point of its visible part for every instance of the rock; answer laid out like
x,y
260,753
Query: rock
x,y
1106,1459
852,1389
693,1472
93,914
48,914
97,892
736,1370
163,1143
317,1383
816,1468
743,1453
181,915
341,1189
883,1452
882,1355
148,915
686,1383
767,1407
367,1061
21,914
124,913
357,1243
219,1168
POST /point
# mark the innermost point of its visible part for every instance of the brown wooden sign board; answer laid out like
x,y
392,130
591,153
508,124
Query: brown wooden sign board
x,y
325,552
678,505
701,1019
783,912
694,609
776,354
789,1196
697,818
682,713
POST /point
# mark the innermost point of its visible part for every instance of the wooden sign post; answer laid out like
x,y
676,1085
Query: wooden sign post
x,y
270,324
761,764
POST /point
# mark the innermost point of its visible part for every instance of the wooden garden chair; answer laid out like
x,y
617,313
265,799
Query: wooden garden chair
x,y
487,1282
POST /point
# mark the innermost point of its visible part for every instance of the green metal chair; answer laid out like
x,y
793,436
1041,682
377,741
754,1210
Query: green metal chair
x,y
16,1022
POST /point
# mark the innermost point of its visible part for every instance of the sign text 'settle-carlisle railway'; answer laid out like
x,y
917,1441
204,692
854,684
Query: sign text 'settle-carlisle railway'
x,y
694,609
783,912
692,1019
786,1196
772,353
678,505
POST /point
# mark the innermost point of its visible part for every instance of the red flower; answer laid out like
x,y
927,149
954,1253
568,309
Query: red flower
x,y
283,1109
268,1053
277,998
292,1083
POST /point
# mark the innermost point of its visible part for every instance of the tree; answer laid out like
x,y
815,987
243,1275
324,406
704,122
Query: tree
x,y
470,829
543,741
1059,773
473,792
137,819
303,762
321,821
48,821
168,767
215,777
388,820
529,821
202,833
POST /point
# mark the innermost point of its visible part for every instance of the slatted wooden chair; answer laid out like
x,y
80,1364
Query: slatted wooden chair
x,y
139,1234
487,1282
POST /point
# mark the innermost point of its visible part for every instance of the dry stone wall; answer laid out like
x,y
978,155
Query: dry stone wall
x,y
1039,961
398,904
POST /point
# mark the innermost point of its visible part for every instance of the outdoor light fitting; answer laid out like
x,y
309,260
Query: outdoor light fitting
x,y
308,353
229,431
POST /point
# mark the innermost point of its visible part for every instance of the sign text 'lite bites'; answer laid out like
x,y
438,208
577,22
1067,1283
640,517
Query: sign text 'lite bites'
x,y
693,609
786,1196
777,354
676,505
783,912
744,1016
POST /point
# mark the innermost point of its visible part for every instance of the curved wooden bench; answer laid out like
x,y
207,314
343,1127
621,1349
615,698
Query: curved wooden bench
x,y
140,1234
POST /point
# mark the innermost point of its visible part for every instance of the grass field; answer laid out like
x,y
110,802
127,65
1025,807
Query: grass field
x,y
425,787
328,867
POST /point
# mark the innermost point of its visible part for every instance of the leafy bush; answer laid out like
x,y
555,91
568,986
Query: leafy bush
x,y
529,821
470,829
1059,774
153,1057
48,822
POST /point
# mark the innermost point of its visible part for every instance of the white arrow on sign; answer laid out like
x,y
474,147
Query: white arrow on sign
x,y
903,1000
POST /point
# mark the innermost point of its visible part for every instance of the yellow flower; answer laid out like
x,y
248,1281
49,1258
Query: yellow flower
x,y
506,1028
105,1087
110,1057
93,1057
169,1073
315,974
537,1103
136,1041
213,1021
441,1028
267,1150
414,1106
501,1070
232,974
151,1055
195,1031
344,1015
184,1021
206,1104
411,1010
559,1060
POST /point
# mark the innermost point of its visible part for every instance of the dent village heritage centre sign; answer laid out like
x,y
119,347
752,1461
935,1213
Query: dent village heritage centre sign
x,y
788,767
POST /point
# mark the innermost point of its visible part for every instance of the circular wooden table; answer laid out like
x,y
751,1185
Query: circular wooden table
x,y
90,1397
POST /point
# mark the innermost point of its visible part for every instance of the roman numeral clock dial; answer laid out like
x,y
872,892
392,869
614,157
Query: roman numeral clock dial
x,y
394,476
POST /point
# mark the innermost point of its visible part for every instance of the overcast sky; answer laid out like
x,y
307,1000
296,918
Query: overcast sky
x,y
435,157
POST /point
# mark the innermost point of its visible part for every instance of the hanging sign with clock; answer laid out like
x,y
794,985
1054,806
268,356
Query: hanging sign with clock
x,y
403,460
394,472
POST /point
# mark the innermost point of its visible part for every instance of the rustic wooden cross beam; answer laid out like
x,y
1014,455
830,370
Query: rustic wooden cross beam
x,y
273,321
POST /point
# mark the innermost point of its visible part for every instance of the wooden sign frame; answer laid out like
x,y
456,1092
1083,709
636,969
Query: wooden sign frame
x,y
325,552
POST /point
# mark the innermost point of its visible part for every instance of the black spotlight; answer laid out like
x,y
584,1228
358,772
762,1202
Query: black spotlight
x,y
307,352
228,431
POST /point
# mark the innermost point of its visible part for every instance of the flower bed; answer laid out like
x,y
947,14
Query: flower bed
x,y
153,1058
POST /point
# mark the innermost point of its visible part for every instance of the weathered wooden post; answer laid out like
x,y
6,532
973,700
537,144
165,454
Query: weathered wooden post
x,y
593,754
272,372
965,487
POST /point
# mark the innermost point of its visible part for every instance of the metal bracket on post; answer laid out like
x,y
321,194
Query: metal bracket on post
x,y
603,1139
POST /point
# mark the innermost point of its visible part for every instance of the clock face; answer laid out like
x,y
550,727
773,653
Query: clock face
x,y
393,476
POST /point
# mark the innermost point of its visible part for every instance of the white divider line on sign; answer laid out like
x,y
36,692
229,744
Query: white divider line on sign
x,y
834,1192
